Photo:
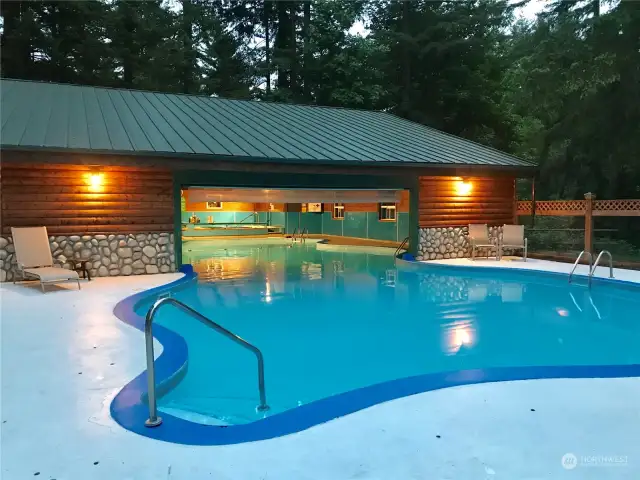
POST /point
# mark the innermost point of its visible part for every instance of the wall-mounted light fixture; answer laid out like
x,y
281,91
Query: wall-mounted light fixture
x,y
95,177
463,187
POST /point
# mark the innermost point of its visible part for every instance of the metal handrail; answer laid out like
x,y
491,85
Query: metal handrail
x,y
575,265
293,237
253,214
154,420
402,245
592,270
304,230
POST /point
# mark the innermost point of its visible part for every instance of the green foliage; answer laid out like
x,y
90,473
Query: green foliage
x,y
574,86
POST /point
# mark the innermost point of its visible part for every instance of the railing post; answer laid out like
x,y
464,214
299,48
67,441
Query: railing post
x,y
533,202
588,221
515,202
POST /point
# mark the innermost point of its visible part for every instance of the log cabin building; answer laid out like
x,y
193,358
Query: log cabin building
x,y
116,175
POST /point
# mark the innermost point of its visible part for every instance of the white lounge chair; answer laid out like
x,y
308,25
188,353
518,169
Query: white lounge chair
x,y
479,238
35,262
513,238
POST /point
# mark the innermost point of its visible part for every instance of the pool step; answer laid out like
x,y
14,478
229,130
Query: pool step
x,y
213,410
191,416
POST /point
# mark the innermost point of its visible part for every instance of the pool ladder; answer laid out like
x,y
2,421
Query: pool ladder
x,y
154,420
401,247
592,264
301,234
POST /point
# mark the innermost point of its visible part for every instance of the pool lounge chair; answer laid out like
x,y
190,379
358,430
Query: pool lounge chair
x,y
479,238
513,238
35,262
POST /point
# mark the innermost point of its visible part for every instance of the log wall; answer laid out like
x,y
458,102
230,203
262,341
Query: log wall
x,y
490,201
61,197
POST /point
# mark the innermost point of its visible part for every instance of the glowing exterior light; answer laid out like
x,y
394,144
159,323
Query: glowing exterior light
x,y
462,187
95,179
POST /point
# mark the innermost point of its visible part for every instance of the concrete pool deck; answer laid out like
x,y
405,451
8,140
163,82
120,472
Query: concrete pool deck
x,y
602,271
65,356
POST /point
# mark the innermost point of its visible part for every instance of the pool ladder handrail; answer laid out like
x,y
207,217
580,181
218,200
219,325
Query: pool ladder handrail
x,y
300,233
154,420
575,265
595,264
402,245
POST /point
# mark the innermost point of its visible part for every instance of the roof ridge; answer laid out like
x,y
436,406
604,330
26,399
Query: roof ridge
x,y
198,95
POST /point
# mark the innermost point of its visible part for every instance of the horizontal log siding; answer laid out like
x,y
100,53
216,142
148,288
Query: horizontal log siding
x,y
130,199
490,201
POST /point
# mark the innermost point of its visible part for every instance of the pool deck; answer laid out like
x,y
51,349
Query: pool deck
x,y
540,265
65,356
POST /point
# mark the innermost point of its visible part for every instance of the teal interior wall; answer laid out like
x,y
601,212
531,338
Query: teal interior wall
x,y
381,230
263,217
312,222
331,226
277,218
355,224
220,216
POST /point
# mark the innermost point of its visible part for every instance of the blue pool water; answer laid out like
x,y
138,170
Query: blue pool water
x,y
331,322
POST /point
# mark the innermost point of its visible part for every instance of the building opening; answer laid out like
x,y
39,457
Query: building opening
x,y
212,215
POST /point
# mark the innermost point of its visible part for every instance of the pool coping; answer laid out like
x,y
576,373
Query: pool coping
x,y
130,410
417,265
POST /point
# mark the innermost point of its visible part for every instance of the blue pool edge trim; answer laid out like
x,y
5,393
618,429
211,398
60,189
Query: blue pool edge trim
x,y
129,409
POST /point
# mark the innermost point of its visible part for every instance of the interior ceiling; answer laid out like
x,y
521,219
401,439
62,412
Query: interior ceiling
x,y
258,195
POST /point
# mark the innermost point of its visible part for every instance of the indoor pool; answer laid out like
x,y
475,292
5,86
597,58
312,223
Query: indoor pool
x,y
329,323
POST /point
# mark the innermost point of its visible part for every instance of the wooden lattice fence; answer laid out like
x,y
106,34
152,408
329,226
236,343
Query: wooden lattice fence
x,y
587,208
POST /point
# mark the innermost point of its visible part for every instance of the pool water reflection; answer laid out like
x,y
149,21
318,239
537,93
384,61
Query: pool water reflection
x,y
331,322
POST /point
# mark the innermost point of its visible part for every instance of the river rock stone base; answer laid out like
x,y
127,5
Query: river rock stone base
x,y
107,255
451,242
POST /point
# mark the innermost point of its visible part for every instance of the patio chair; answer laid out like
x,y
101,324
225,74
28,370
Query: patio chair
x,y
513,238
35,262
479,238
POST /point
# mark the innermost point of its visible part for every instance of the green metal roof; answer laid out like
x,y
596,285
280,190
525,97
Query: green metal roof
x,y
83,118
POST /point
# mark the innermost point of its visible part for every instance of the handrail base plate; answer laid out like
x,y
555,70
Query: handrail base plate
x,y
153,423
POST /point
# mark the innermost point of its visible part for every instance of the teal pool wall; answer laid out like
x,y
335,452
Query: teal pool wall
x,y
271,218
355,224
222,217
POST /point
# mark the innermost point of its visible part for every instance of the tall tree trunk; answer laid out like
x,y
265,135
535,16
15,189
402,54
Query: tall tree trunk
x,y
187,46
266,8
293,82
406,59
306,51
282,44
59,51
16,48
128,54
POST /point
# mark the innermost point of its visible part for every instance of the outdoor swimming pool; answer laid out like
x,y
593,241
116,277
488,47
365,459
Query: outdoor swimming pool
x,y
331,323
